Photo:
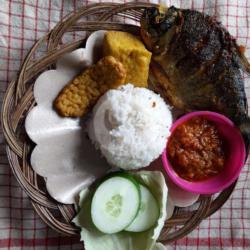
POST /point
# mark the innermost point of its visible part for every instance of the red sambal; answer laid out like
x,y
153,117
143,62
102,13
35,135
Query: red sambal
x,y
195,150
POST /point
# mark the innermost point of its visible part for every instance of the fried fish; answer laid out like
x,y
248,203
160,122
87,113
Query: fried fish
x,y
196,63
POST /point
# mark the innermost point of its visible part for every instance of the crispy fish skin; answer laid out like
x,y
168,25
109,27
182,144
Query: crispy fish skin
x,y
83,91
196,63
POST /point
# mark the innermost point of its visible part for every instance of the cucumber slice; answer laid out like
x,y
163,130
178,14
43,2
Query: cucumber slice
x,y
115,203
148,213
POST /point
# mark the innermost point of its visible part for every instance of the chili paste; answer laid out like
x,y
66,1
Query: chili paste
x,y
195,150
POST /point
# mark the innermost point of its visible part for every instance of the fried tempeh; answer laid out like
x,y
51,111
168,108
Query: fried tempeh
x,y
83,91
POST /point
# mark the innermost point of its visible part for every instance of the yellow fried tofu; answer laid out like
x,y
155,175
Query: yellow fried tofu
x,y
83,91
131,52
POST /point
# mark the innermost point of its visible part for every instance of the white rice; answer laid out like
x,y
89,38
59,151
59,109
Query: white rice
x,y
130,126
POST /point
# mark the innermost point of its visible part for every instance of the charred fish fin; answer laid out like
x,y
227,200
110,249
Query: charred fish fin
x,y
241,52
245,131
164,87
238,51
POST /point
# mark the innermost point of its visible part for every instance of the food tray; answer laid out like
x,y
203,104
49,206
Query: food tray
x,y
19,100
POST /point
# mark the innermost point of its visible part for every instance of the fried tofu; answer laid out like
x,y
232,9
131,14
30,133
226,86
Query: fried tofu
x,y
131,52
83,91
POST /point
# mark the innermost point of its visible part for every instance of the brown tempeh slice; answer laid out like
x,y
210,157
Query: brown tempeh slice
x,y
82,92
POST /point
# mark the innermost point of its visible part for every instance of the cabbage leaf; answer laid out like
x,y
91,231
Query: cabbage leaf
x,y
95,240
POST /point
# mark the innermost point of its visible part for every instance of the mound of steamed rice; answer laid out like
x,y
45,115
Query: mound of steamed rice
x,y
130,126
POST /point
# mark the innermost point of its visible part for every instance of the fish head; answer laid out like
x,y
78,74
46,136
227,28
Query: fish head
x,y
158,25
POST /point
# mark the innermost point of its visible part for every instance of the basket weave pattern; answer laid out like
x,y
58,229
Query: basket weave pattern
x,y
19,100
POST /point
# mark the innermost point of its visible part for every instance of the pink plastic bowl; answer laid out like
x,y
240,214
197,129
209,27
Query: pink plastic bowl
x,y
234,162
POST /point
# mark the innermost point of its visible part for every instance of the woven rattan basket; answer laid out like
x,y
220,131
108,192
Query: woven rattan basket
x,y
19,100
